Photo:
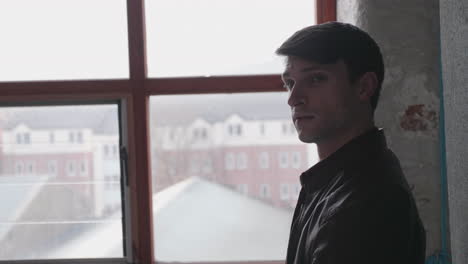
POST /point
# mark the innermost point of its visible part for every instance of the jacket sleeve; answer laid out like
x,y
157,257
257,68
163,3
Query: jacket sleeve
x,y
367,231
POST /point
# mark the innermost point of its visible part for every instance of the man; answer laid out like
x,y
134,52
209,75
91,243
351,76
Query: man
x,y
355,205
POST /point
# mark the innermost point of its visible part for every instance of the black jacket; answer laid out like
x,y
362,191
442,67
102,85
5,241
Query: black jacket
x,y
356,207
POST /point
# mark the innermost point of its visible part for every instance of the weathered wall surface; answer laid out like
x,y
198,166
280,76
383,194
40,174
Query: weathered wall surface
x,y
454,42
408,34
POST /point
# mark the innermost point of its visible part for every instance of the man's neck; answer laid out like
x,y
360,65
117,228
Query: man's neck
x,y
327,147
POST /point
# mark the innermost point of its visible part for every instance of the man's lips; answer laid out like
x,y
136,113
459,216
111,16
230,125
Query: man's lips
x,y
299,117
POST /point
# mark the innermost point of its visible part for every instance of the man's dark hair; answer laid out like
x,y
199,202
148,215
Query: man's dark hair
x,y
333,41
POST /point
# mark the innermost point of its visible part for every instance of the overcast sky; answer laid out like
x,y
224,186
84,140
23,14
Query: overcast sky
x,y
87,39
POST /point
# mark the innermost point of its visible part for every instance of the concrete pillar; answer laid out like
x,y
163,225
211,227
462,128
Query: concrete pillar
x,y
454,45
408,34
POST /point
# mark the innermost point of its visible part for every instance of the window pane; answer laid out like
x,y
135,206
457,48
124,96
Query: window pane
x,y
63,39
240,209
211,37
63,196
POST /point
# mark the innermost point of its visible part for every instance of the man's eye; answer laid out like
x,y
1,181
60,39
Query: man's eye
x,y
317,78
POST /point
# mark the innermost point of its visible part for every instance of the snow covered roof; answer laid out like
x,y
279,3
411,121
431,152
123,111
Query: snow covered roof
x,y
197,220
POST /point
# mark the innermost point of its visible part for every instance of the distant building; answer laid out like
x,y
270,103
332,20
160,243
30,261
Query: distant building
x,y
248,145
76,148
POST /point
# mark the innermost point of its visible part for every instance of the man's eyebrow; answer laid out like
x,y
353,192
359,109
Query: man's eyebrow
x,y
311,68
307,69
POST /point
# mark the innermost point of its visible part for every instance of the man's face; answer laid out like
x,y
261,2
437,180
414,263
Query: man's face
x,y
323,101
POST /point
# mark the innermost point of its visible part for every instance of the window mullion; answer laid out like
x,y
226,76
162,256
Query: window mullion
x,y
140,181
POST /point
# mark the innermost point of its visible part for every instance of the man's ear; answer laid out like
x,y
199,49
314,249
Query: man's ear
x,y
367,86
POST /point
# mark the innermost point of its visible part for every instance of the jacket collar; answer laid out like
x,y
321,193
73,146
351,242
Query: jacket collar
x,y
355,152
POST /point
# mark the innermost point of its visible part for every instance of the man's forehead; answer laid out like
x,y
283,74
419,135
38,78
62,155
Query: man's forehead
x,y
302,65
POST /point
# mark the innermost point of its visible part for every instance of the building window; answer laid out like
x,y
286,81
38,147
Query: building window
x,y
243,188
285,129
106,150
284,191
30,167
84,167
52,167
23,138
265,191
79,137
171,134
71,137
51,138
296,160
235,130
19,139
207,166
229,161
194,165
283,160
295,190
242,161
71,168
115,150
27,138
288,128
199,134
19,168
264,160
292,128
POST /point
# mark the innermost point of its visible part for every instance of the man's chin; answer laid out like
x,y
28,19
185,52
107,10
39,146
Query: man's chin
x,y
307,138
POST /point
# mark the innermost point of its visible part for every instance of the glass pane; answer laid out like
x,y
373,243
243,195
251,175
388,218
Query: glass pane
x,y
63,39
212,37
60,182
225,176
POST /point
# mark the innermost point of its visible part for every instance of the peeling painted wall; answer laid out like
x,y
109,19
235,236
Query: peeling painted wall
x,y
454,44
408,34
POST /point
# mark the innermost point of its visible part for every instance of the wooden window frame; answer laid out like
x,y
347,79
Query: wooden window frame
x,y
133,94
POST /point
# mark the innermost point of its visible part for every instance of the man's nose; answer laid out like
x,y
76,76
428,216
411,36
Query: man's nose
x,y
296,96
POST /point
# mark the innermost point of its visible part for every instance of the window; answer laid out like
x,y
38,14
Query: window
x,y
71,168
71,137
50,210
243,188
52,167
30,167
106,150
200,134
235,130
296,160
284,191
79,137
84,167
283,159
242,161
19,138
115,150
236,183
264,190
262,128
295,190
207,166
27,138
264,160
288,128
19,168
229,161
23,138
103,64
